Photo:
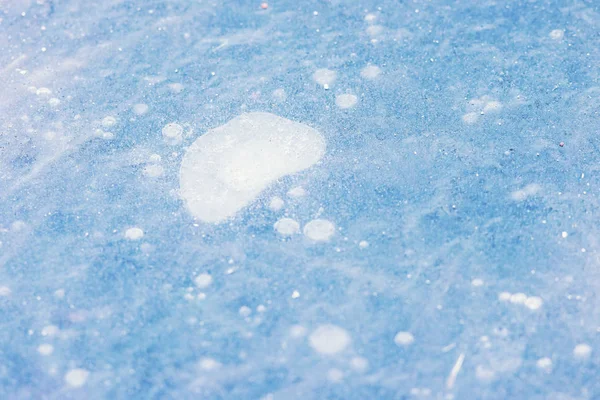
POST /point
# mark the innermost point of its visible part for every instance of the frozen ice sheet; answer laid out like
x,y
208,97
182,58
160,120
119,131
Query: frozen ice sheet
x,y
444,246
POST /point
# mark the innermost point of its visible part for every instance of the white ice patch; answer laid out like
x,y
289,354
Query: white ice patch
x,y
346,100
140,109
404,338
296,192
172,133
319,230
287,227
276,203
226,169
134,233
324,76
370,72
329,339
76,377
528,191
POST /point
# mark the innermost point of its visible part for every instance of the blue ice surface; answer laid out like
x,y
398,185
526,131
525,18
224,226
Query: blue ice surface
x,y
444,198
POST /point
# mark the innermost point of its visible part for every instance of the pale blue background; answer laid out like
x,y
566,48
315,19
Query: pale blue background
x,y
431,194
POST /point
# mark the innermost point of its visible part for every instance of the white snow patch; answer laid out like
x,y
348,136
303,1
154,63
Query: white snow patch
x,y
528,191
287,227
76,377
276,203
346,100
319,230
109,121
203,280
470,118
329,339
582,351
518,298
209,364
176,87
374,30
334,375
370,72
140,109
359,364
363,244
226,169
5,291
245,311
557,34
297,331
534,302
325,76
544,363
404,338
45,349
296,192
172,133
134,233
154,170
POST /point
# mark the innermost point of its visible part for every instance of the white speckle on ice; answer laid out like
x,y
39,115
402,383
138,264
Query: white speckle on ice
x,y
209,364
59,294
359,364
492,106
370,18
5,291
134,233
154,170
172,133
297,331
470,118
582,351
324,76
522,194
404,338
504,296
227,168
287,227
140,109
45,349
319,230
374,30
261,308
329,339
245,311
557,34
484,374
346,100
564,235
176,87
76,377
544,363
534,302
50,330
370,72
334,375
53,102
276,203
477,282
203,281
296,192
43,91
295,294
518,298
363,244
279,94
109,121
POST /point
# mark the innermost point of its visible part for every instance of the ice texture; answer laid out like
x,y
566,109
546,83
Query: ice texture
x,y
460,180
